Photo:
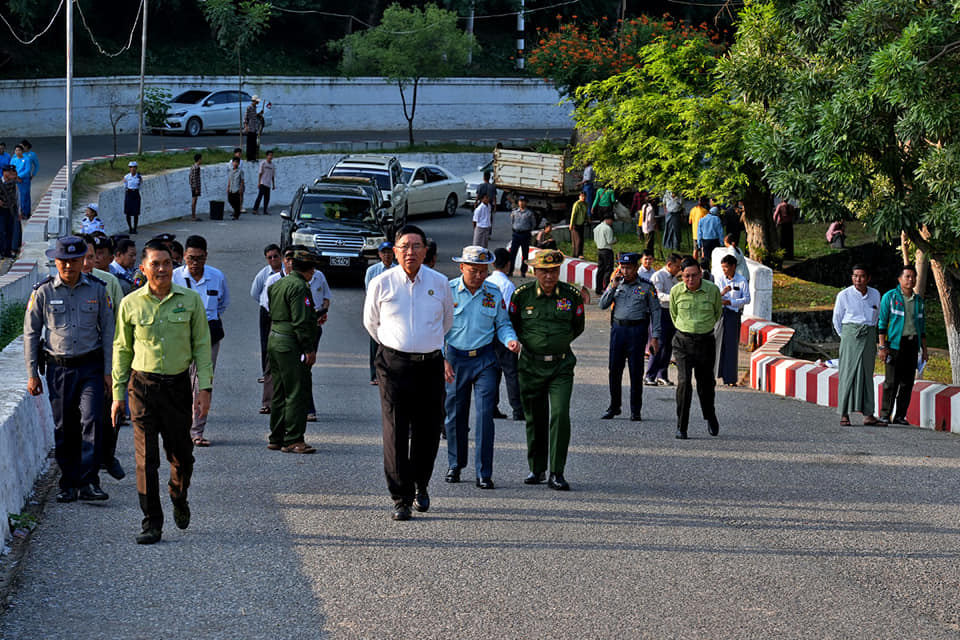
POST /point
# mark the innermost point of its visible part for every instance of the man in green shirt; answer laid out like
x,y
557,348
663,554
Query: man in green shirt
x,y
161,329
695,309
578,225
547,315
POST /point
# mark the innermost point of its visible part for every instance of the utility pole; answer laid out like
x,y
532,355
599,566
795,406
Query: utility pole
x,y
520,39
69,118
143,69
470,31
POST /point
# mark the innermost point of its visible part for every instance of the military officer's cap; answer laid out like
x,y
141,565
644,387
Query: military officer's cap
x,y
475,254
304,255
547,259
629,257
68,247
164,237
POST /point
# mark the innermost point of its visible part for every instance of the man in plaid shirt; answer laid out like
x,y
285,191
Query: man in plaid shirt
x,y
195,185
250,126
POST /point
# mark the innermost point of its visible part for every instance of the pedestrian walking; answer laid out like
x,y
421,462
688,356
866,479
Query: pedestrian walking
x,y
286,267
672,220
664,280
385,251
266,180
235,187
548,316
470,366
695,309
271,253
196,187
408,311
783,217
855,315
131,197
605,239
67,331
506,359
23,167
322,296
211,284
697,213
488,188
902,331
482,221
523,221
586,185
579,215
124,263
734,294
646,220
251,128
603,202
9,211
710,233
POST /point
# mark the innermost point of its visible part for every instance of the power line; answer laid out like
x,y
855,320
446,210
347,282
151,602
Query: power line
x,y
34,38
133,30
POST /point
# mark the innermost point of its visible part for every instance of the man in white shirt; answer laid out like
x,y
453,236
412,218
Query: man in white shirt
x,y
646,270
664,280
855,321
266,180
482,222
408,311
272,254
506,359
734,293
211,284
385,251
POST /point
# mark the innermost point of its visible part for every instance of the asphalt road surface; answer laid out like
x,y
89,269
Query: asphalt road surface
x,y
787,525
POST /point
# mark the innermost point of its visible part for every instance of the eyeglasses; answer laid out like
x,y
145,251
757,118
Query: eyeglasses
x,y
195,258
408,247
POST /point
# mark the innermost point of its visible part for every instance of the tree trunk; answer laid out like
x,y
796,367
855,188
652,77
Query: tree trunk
x,y
762,238
949,288
922,263
239,89
413,106
905,247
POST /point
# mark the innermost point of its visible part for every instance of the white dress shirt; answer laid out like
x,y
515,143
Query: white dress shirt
x,y
852,307
212,287
482,216
264,298
664,281
646,274
503,283
409,316
260,282
737,298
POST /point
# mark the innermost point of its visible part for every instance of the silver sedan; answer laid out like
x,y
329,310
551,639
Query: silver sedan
x,y
432,189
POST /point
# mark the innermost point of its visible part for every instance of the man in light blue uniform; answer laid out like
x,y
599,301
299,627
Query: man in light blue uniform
x,y
479,315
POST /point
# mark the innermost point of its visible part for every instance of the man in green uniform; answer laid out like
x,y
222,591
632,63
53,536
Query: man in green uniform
x,y
291,351
547,315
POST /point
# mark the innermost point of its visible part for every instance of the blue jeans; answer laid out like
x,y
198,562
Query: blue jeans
x,y
478,373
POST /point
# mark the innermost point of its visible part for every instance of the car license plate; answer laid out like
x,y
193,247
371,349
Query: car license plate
x,y
338,261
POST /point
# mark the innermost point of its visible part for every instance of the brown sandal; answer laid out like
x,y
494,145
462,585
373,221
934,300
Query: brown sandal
x,y
870,422
264,410
298,447
201,442
844,421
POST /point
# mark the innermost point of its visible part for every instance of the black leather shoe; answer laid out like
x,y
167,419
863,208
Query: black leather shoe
x,y
485,483
899,420
453,475
519,417
499,415
149,536
92,492
713,427
535,478
557,482
181,513
610,413
401,512
67,495
115,469
635,417
681,435
422,502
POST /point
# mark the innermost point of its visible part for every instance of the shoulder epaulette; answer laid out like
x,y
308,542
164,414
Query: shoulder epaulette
x,y
43,282
526,285
567,285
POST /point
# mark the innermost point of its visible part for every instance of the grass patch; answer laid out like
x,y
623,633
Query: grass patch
x,y
11,323
809,238
793,293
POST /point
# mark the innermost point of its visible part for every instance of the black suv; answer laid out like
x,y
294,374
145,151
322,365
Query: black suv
x,y
341,222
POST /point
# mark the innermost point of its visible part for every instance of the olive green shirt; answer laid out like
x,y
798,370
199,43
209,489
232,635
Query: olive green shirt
x,y
292,310
695,311
161,336
546,325
114,290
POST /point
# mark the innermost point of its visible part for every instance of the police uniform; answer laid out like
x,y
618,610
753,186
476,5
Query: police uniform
x,y
131,197
293,333
478,318
79,327
546,325
635,317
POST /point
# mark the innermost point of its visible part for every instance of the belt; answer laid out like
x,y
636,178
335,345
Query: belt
x,y
416,357
630,323
75,361
472,353
695,335
162,377
519,231
285,335
545,357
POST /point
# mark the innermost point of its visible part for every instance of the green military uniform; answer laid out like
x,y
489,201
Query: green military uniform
x,y
545,326
293,332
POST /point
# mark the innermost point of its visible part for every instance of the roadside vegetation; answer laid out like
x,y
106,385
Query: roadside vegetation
x,y
11,322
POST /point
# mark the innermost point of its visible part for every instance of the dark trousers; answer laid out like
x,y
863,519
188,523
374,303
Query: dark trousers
x,y
108,434
236,202
131,208
785,231
263,193
507,367
627,345
519,243
251,146
7,222
660,361
412,397
76,398
898,378
577,240
695,354
730,347
264,334
604,268
374,346
708,245
591,192
161,406
291,383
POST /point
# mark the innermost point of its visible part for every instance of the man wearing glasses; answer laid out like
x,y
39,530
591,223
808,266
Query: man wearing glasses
x,y
408,311
211,284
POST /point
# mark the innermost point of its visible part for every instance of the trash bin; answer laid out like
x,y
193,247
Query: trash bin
x,y
216,209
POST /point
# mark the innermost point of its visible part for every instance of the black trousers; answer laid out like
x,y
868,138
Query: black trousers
x,y
507,367
251,146
264,334
263,193
604,268
76,397
519,243
627,345
695,354
577,250
412,396
898,378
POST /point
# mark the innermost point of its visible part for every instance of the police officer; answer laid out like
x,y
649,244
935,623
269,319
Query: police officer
x,y
636,309
291,350
479,316
76,313
547,315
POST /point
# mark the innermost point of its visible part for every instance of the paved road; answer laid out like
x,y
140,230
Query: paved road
x,y
787,525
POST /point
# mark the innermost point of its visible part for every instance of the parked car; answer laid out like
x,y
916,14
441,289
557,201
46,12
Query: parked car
x,y
432,189
386,171
370,186
474,179
199,110
340,222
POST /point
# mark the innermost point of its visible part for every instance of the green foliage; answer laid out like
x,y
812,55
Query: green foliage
x,y
237,25
11,322
156,104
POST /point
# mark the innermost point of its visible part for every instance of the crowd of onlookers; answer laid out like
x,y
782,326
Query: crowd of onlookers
x,y
18,170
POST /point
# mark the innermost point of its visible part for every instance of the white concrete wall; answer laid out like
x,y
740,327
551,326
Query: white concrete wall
x,y
300,103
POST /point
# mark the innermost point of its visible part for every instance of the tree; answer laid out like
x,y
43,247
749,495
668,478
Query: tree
x,y
858,116
407,46
669,124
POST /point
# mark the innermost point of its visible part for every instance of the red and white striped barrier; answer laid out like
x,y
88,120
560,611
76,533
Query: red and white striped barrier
x,y
572,270
933,406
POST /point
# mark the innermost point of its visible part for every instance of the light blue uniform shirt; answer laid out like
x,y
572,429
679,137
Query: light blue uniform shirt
x,y
34,163
478,317
374,270
212,288
710,228
4,159
22,165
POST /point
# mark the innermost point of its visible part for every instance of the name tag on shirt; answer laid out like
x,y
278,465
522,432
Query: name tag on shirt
x,y
55,301
212,292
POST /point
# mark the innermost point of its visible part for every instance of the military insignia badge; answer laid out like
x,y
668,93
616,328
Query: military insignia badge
x,y
580,310
307,302
564,304
430,292
489,301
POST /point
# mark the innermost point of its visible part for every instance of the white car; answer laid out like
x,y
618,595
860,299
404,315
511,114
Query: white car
x,y
474,179
432,189
198,110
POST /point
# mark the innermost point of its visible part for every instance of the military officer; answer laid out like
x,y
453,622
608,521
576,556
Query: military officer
x,y
75,312
547,315
479,316
292,350
636,310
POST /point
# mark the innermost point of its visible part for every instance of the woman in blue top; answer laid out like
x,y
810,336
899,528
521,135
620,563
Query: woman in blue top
x,y
24,174
131,199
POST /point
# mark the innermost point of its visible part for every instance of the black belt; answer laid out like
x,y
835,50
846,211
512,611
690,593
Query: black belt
x,y
416,357
545,357
76,361
630,323
695,335
472,353
162,377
